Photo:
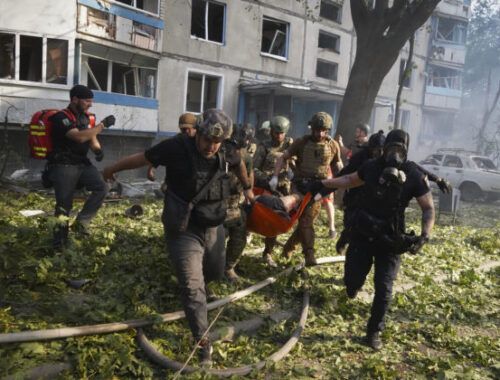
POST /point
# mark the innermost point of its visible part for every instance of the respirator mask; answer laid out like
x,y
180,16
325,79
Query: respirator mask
x,y
392,174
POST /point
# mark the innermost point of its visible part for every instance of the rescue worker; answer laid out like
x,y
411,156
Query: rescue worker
x,y
361,139
68,165
373,150
378,236
186,126
235,223
197,175
265,160
316,153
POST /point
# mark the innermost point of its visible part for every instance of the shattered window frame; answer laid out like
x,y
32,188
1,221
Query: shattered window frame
x,y
136,4
133,80
277,46
36,59
322,64
206,88
444,77
208,31
451,30
7,55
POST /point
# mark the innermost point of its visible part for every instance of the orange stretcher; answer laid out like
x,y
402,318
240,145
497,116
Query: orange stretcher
x,y
264,221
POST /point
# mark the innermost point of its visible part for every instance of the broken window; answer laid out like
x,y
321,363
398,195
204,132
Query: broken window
x,y
144,36
444,77
329,41
330,11
97,73
7,50
452,30
202,92
207,20
325,69
274,37
145,5
123,79
57,61
31,58
406,81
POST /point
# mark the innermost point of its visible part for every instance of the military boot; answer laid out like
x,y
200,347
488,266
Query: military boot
x,y
310,259
342,243
205,353
268,259
372,340
232,276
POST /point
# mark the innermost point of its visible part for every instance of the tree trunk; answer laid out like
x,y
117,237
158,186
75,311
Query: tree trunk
x,y
381,33
404,75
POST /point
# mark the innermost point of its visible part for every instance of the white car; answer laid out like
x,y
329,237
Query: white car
x,y
476,176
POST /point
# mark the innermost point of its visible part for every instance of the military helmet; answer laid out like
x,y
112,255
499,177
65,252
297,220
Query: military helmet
x,y
266,125
377,140
321,120
242,134
214,123
363,127
280,124
397,137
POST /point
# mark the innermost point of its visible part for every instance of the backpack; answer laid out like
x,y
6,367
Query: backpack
x,y
40,132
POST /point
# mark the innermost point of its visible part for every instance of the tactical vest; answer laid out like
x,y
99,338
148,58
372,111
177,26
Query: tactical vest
x,y
273,153
315,158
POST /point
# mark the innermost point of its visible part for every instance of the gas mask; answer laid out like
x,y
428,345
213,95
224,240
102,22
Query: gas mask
x,y
392,172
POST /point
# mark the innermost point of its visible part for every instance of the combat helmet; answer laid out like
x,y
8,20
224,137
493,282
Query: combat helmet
x,y
321,120
214,123
242,134
280,124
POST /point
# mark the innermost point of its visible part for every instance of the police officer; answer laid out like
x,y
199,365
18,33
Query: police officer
x,y
265,160
316,153
372,150
68,165
195,165
235,223
390,182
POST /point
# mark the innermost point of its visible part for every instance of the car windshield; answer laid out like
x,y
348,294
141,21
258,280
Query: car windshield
x,y
484,163
433,159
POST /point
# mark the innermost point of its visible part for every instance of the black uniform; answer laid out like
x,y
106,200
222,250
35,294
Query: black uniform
x,y
70,168
380,214
198,253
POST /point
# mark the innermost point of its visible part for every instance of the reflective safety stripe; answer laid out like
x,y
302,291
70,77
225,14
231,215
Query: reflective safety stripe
x,y
33,133
39,127
40,154
41,148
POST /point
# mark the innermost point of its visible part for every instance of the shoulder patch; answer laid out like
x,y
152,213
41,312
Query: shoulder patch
x,y
66,122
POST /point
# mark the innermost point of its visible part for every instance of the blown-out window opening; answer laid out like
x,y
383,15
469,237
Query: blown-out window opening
x,y
274,37
208,20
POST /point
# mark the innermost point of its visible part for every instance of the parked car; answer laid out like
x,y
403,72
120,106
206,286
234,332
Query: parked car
x,y
476,176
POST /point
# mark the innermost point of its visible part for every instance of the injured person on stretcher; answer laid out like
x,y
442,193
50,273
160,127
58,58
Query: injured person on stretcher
x,y
270,215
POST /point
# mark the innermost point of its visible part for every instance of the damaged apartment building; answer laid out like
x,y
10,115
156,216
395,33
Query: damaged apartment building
x,y
114,47
148,61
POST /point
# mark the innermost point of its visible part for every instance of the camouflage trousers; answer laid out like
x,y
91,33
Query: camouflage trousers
x,y
236,232
304,232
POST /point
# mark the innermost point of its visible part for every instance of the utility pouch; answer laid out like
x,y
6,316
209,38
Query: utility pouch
x,y
176,212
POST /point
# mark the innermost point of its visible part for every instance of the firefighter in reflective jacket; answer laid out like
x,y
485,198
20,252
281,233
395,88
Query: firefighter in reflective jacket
x,y
265,160
315,154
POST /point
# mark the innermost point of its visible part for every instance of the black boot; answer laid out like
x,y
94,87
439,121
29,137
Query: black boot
x,y
372,340
205,353
342,243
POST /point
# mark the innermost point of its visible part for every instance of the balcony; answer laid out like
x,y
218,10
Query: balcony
x,y
120,23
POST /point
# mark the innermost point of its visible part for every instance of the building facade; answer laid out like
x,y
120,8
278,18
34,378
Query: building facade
x,y
148,61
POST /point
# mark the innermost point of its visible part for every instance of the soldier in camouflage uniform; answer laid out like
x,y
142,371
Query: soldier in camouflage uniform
x,y
264,162
235,222
315,154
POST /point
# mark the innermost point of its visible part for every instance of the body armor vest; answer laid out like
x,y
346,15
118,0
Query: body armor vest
x,y
273,153
315,158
